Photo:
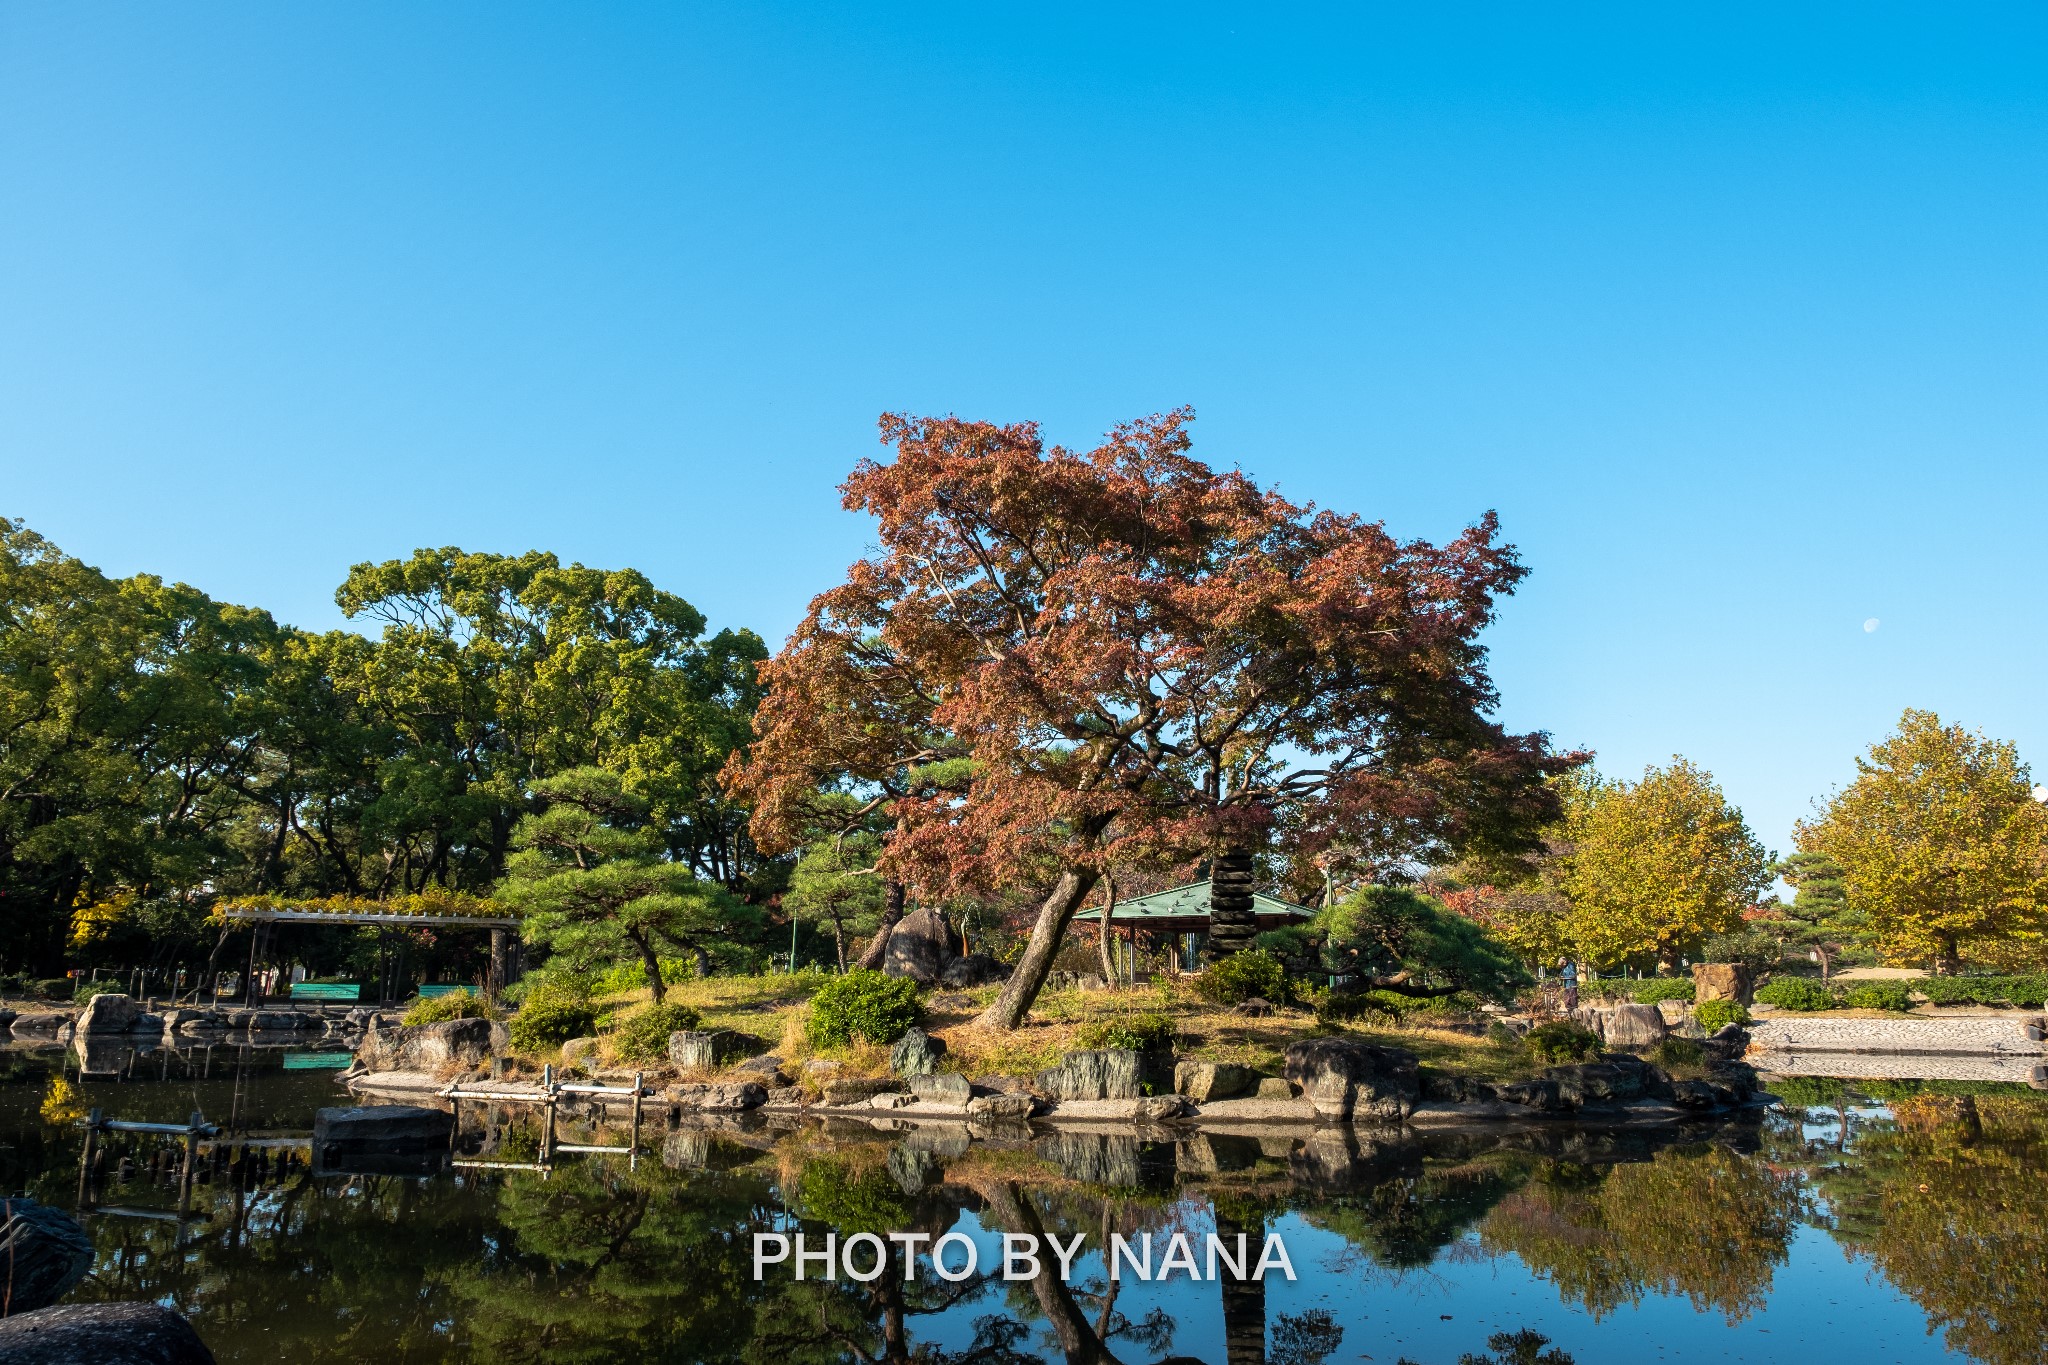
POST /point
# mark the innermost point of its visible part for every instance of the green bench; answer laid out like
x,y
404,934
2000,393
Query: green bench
x,y
325,990
436,992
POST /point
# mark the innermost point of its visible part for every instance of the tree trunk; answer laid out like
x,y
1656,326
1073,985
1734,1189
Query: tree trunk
x,y
892,914
1232,922
1108,910
1014,1004
653,965
1008,1210
839,944
1949,962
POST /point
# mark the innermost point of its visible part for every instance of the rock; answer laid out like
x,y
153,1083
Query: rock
x,y
1447,1087
283,1021
45,1252
1347,1081
1739,1079
1162,1107
465,1043
1729,1041
147,1024
891,1100
7,1018
379,1128
726,1096
821,1067
707,1051
581,1053
841,1094
916,1053
193,1021
999,1108
1255,1008
767,1069
1720,981
1277,1088
921,947
1541,1095
945,1087
975,969
1205,1081
1091,982
105,1333
1629,1025
1115,1073
1611,1080
51,1025
108,1013
1699,1095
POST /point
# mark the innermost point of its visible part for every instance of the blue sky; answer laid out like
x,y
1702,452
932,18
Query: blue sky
x,y
1736,315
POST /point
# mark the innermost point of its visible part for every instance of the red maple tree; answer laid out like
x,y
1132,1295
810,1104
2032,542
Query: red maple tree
x,y
1059,659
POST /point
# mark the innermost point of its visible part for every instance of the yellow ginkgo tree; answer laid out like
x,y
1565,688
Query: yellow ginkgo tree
x,y
1943,846
1652,868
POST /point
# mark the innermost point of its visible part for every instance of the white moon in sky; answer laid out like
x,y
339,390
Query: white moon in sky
x,y
1870,625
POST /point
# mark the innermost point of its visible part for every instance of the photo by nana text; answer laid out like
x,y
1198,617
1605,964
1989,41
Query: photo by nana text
x,y
955,1256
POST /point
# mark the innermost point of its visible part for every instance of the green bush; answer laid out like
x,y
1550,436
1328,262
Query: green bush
x,y
454,1005
1560,1040
55,988
863,1004
1253,975
644,1037
2021,992
552,1014
1879,995
1801,993
1658,989
1501,1036
1715,1015
1140,1032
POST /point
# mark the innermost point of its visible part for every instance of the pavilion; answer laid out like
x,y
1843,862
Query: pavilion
x,y
1183,912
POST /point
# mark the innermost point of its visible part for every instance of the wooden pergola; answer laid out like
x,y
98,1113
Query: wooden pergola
x,y
1184,910
265,918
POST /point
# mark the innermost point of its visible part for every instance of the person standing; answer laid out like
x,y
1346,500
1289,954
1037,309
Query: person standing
x,y
1571,985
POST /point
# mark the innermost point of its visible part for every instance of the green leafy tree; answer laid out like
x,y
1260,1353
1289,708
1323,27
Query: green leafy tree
x,y
834,886
1819,918
1656,866
591,881
1396,939
1941,844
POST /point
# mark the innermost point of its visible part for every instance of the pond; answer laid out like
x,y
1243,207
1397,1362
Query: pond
x,y
1876,1222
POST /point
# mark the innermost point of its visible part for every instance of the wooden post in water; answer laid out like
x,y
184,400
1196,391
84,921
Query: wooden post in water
x,y
194,1124
92,1142
633,1152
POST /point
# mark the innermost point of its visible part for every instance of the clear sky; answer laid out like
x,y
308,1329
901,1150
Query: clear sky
x,y
1738,316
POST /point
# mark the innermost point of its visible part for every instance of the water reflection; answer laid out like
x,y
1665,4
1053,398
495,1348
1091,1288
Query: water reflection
x,y
599,1259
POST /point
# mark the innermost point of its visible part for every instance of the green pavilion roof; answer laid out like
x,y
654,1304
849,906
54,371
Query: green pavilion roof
x,y
1190,902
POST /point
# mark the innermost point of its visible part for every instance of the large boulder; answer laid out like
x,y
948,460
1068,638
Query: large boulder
x,y
916,1053
1614,1079
975,969
463,1043
727,1098
847,1093
184,1021
943,1087
108,1013
921,947
379,1129
1205,1081
7,1018
708,1050
1000,1108
1112,1073
1720,981
104,1333
1624,1025
1349,1081
42,1024
44,1252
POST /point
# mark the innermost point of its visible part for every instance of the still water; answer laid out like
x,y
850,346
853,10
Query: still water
x,y
1876,1222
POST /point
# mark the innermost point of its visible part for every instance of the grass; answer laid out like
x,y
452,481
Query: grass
x,y
773,1008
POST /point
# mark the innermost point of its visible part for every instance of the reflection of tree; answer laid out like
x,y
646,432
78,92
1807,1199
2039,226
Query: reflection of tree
x,y
1951,1206
1513,1348
1705,1223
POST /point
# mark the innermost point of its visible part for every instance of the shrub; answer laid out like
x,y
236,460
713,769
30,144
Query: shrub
x,y
2022,992
1715,1015
454,1005
1796,993
1879,995
1256,974
1140,1032
55,988
1661,988
863,1004
553,1013
1560,1040
1501,1036
644,1037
